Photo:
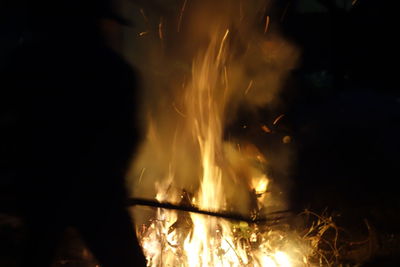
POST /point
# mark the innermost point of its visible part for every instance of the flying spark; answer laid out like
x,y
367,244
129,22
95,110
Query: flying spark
x,y
181,15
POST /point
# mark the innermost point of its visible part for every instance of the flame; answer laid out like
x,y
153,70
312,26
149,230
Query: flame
x,y
186,239
260,184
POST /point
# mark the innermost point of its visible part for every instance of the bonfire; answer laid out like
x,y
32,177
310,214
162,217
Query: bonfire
x,y
217,204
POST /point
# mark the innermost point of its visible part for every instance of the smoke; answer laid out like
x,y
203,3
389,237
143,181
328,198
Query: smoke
x,y
168,46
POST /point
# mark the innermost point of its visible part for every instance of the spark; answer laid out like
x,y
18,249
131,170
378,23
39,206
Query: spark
x,y
160,29
141,175
181,15
143,33
248,87
266,24
278,119
177,110
265,128
222,45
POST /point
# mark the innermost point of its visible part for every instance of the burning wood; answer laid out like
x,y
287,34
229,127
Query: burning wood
x,y
270,219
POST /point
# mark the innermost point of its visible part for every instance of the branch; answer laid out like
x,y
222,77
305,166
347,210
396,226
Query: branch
x,y
272,218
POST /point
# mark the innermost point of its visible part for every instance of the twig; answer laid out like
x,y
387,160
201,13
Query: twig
x,y
271,218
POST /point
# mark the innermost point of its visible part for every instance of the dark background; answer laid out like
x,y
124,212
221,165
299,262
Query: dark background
x,y
342,107
345,109
342,112
345,113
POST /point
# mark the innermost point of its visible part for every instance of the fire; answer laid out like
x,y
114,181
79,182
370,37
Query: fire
x,y
197,75
175,238
260,184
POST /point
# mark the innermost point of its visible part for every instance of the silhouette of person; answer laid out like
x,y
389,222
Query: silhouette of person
x,y
76,129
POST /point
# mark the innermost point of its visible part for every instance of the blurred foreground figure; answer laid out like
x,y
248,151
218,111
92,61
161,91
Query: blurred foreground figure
x,y
74,100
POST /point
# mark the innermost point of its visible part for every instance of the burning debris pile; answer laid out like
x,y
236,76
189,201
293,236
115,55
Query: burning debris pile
x,y
186,158
166,242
